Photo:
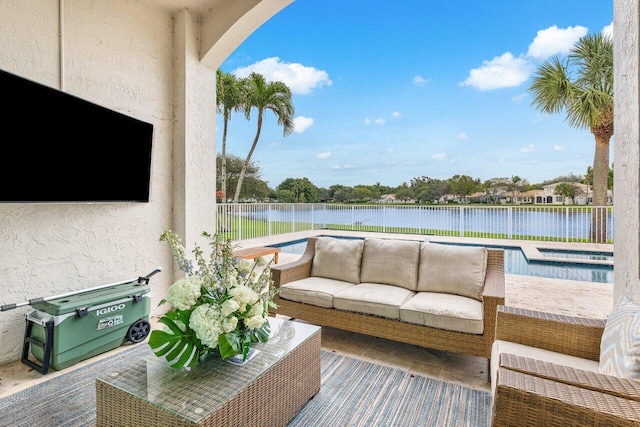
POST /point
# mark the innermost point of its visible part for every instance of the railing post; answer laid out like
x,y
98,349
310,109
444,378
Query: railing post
x,y
269,219
352,217
461,221
312,222
239,222
293,215
566,224
510,232
384,219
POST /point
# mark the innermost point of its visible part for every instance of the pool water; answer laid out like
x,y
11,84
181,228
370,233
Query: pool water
x,y
563,253
514,263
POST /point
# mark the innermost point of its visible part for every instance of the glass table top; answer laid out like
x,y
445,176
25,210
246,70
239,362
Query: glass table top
x,y
196,392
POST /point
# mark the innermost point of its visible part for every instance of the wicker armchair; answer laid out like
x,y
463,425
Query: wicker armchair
x,y
531,392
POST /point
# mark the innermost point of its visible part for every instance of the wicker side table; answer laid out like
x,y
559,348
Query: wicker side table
x,y
268,391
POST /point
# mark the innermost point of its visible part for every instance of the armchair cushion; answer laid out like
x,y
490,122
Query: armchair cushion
x,y
620,345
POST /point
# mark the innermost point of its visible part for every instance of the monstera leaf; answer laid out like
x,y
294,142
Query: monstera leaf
x,y
180,347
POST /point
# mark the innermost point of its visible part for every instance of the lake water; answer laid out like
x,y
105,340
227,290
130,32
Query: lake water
x,y
557,222
515,263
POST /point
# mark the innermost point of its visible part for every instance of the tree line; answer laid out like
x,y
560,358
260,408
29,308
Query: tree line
x,y
418,190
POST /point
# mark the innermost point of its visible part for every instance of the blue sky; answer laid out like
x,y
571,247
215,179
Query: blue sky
x,y
388,91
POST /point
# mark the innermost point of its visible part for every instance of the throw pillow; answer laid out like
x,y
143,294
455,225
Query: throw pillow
x,y
620,345
337,259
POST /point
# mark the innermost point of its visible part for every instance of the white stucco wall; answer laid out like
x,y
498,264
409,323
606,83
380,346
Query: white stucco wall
x,y
146,59
118,54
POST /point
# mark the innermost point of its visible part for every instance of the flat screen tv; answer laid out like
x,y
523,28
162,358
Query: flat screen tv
x,y
58,148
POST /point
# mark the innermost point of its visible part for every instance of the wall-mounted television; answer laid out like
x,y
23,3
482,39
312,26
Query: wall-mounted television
x,y
57,147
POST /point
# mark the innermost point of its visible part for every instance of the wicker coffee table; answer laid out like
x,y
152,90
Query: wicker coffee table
x,y
267,391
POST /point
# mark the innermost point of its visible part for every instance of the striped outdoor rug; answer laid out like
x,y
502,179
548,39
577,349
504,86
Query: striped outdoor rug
x,y
353,393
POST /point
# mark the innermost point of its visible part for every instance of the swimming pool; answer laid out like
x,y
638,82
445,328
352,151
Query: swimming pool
x,y
514,262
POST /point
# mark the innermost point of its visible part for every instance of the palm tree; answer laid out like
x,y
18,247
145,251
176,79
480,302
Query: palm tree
x,y
587,100
263,96
229,98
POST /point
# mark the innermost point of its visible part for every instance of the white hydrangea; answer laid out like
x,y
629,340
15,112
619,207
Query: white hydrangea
x,y
229,306
207,322
184,293
255,322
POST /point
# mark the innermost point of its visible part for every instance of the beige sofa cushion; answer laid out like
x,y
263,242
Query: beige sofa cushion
x,y
313,290
444,311
452,269
337,259
390,262
373,298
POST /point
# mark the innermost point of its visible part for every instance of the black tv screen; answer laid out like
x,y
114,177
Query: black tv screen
x,y
60,148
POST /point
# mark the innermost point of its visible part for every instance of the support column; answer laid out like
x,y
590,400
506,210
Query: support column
x,y
194,152
627,149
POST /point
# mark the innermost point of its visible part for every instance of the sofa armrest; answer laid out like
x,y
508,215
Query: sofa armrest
x,y
493,292
527,400
619,387
299,269
575,336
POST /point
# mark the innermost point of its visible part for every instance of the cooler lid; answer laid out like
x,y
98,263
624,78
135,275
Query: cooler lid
x,y
90,299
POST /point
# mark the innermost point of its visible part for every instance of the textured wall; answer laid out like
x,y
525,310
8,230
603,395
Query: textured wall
x,y
118,54
627,149
143,60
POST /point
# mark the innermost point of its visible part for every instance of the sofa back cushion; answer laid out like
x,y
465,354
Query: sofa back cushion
x,y
390,262
458,270
337,259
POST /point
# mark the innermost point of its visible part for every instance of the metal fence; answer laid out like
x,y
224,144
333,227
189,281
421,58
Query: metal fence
x,y
544,223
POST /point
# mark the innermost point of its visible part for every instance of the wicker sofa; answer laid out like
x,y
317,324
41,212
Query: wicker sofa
x,y
437,296
545,371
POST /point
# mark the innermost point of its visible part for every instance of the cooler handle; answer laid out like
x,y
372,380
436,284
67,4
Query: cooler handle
x,y
148,276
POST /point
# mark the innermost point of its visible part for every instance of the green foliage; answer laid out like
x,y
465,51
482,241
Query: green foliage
x,y
179,346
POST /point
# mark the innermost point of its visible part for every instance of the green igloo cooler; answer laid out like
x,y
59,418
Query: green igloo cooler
x,y
65,330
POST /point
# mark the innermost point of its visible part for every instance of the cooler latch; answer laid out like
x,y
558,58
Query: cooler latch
x,y
82,311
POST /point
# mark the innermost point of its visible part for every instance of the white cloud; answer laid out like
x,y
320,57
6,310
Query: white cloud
x,y
501,71
299,78
367,121
324,155
420,81
439,156
302,123
396,114
558,148
608,30
390,150
554,40
345,166
462,136
519,98
381,121
528,149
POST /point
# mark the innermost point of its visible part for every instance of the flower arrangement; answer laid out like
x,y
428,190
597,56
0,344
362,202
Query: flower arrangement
x,y
222,306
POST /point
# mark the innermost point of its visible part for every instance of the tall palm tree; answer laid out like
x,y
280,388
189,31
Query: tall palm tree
x,y
582,85
229,98
265,96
